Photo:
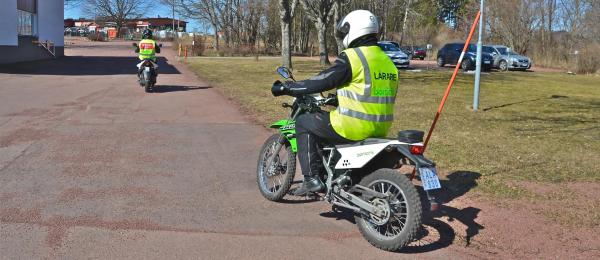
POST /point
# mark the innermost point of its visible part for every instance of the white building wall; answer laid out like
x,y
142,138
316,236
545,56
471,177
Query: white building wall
x,y
50,21
8,23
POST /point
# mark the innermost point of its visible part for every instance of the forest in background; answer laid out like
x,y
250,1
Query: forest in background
x,y
555,33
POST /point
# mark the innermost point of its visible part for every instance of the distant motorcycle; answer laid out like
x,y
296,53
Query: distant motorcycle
x,y
148,72
361,176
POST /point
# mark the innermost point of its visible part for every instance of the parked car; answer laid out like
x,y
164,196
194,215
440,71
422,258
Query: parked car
x,y
399,58
414,52
505,59
450,53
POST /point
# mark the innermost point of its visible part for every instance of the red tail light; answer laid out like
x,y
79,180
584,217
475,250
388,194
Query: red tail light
x,y
417,149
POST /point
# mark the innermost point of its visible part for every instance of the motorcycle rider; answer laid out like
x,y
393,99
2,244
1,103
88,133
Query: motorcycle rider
x,y
365,80
147,49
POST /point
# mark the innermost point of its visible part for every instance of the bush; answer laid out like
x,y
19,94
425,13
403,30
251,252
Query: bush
x,y
96,36
588,60
196,45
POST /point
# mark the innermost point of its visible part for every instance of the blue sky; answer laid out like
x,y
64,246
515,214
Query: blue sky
x,y
75,12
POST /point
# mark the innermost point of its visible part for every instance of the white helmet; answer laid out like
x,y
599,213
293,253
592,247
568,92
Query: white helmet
x,y
355,25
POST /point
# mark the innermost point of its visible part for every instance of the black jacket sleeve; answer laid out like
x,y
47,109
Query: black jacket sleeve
x,y
335,76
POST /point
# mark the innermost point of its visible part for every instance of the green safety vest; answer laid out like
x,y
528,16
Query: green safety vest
x,y
147,49
366,103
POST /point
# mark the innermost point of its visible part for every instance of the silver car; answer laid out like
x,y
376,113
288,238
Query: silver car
x,y
505,59
398,57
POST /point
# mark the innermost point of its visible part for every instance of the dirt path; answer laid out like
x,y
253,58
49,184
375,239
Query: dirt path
x,y
93,167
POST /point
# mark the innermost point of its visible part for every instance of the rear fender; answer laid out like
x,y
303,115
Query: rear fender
x,y
356,157
148,75
288,129
419,160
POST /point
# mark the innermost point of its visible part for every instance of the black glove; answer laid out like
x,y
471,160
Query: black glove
x,y
280,89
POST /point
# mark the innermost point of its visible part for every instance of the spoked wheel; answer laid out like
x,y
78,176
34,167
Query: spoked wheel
x,y
400,215
275,181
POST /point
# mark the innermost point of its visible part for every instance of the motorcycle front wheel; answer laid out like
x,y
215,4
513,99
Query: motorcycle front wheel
x,y
275,182
402,212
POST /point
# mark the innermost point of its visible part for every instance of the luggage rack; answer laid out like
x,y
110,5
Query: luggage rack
x,y
48,46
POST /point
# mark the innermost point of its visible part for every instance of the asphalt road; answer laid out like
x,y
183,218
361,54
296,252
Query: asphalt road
x,y
92,167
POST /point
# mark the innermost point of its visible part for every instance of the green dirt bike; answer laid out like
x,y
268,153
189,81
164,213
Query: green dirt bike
x,y
362,176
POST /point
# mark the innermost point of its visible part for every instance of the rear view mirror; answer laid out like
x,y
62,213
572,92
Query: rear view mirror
x,y
285,72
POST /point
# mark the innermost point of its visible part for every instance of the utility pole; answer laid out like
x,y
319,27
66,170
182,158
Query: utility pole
x,y
173,26
478,63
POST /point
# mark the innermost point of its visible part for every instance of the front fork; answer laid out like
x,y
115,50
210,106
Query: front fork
x,y
271,158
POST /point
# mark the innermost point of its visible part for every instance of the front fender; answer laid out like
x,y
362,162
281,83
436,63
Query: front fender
x,y
288,129
281,123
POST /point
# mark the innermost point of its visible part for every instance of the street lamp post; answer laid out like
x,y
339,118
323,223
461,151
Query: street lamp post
x,y
478,63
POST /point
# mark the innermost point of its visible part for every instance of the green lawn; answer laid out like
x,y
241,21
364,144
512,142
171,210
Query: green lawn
x,y
542,127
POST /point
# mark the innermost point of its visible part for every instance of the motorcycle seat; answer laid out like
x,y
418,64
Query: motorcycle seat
x,y
364,142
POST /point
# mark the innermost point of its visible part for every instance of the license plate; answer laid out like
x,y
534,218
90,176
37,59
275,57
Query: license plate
x,y
430,179
486,62
147,69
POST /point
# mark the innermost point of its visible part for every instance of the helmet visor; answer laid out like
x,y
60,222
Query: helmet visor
x,y
342,29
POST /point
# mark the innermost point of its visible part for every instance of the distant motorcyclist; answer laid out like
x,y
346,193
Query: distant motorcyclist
x,y
366,82
147,49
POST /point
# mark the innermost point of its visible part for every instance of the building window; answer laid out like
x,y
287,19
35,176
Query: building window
x,y
26,17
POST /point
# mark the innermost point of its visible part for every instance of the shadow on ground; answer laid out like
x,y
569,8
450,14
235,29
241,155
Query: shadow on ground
x,y
85,66
171,88
524,101
436,232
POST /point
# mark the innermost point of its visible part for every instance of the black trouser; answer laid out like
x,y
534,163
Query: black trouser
x,y
313,129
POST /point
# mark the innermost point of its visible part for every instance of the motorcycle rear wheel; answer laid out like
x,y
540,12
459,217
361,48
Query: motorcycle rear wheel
x,y
274,183
404,216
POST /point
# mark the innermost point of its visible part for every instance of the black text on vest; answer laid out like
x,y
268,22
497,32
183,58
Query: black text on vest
x,y
385,76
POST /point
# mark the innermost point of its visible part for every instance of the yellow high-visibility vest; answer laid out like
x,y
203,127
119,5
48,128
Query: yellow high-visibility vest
x,y
147,49
366,103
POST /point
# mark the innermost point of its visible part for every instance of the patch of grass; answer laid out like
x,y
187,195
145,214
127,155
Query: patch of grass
x,y
531,126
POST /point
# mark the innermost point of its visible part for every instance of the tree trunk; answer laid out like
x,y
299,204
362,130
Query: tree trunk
x,y
286,16
337,17
404,21
216,37
321,30
286,53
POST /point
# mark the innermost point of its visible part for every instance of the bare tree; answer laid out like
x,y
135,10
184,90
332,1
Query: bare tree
x,y
208,11
514,21
117,11
320,12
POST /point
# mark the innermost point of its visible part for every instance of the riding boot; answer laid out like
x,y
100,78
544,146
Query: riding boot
x,y
310,184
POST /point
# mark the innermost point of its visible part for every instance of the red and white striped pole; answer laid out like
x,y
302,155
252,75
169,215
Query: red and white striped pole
x,y
450,84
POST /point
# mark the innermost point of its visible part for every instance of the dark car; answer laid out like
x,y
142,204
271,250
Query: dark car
x,y
450,53
414,52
